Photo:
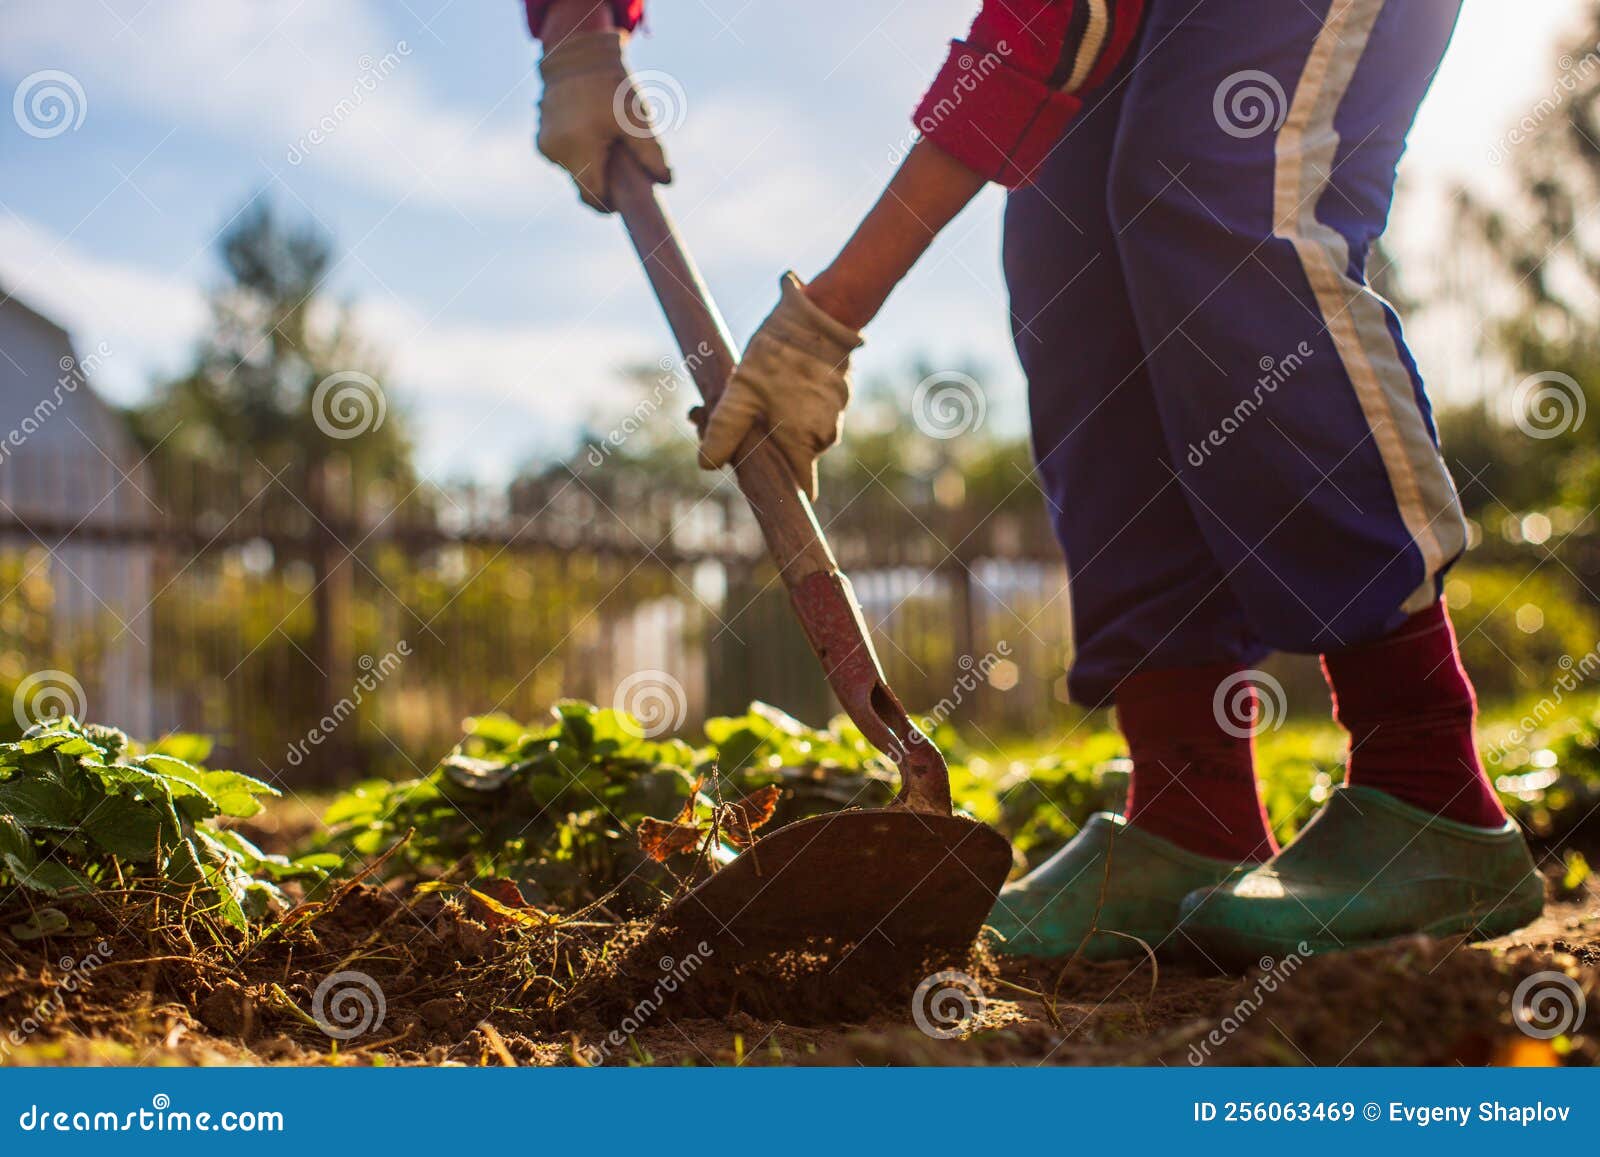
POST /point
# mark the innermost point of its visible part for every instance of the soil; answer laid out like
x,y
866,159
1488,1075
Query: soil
x,y
134,984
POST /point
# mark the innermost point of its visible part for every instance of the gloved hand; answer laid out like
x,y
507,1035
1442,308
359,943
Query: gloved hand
x,y
588,105
794,377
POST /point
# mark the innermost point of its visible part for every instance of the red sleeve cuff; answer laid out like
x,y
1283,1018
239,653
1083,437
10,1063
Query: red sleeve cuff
x,y
627,13
993,118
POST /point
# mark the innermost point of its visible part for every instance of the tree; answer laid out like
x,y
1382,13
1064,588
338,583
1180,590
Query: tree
x,y
281,381
281,430
1542,245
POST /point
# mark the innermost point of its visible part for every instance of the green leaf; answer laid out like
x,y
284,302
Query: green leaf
x,y
42,801
181,745
44,922
1577,872
362,803
497,731
129,828
57,739
14,840
49,877
233,792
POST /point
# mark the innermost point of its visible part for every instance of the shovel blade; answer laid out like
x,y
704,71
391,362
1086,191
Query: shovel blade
x,y
890,876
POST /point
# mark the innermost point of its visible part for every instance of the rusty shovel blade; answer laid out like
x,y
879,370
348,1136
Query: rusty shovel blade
x,y
897,877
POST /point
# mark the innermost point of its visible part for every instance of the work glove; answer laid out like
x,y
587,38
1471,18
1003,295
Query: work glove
x,y
590,104
794,378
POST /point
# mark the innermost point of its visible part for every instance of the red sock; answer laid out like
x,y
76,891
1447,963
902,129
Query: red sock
x,y
1409,708
1194,782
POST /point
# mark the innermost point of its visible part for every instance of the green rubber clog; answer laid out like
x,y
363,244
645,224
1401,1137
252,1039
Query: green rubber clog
x,y
1051,910
1366,869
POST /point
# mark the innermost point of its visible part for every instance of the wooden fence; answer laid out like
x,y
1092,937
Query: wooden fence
x,y
318,642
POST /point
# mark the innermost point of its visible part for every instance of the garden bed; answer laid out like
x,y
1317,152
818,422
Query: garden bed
x,y
512,921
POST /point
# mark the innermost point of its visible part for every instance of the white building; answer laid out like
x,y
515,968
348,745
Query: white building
x,y
73,499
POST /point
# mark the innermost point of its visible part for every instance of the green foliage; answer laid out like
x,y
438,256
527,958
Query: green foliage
x,y
554,805
83,807
1518,630
1545,756
558,802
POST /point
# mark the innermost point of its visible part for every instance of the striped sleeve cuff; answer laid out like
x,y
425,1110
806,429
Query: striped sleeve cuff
x,y
993,118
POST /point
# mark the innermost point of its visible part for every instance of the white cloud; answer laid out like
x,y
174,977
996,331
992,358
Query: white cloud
x,y
270,74
548,376
146,317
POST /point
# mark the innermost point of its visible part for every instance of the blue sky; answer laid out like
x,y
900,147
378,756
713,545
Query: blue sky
x,y
504,311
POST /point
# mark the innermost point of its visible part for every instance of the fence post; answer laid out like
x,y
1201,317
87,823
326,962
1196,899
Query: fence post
x,y
334,576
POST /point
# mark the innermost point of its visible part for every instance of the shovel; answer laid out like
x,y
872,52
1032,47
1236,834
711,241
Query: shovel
x,y
912,875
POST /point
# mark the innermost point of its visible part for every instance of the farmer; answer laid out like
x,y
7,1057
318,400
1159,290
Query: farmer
x,y
1229,428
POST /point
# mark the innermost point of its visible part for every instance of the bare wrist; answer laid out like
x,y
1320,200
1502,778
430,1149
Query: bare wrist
x,y
835,296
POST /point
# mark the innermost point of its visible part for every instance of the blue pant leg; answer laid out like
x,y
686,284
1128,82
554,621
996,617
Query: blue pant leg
x,y
1144,591
1253,169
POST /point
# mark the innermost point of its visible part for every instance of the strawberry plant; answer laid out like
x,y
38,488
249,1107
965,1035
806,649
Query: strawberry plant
x,y
83,807
556,805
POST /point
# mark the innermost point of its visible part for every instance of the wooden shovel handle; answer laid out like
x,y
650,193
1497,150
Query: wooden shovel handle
x,y
786,518
820,594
